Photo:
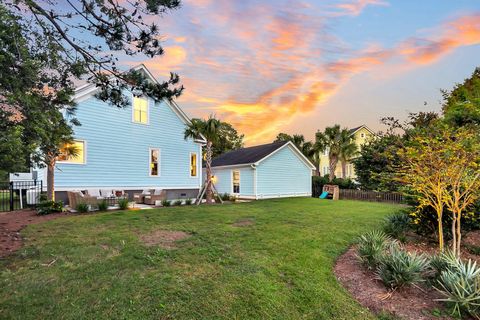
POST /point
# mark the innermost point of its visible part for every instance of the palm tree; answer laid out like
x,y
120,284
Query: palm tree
x,y
210,130
348,149
330,140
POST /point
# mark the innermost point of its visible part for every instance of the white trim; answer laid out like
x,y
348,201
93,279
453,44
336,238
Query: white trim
x,y
159,161
133,109
200,168
84,155
361,127
234,166
299,154
124,188
190,164
254,168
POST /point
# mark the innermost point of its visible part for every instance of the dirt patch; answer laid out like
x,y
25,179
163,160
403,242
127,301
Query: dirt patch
x,y
407,303
244,223
164,238
472,238
11,223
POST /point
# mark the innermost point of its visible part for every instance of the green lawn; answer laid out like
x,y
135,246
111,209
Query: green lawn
x,y
278,268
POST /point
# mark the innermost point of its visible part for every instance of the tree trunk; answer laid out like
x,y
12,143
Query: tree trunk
x,y
454,235
344,169
459,233
51,180
333,166
440,228
209,172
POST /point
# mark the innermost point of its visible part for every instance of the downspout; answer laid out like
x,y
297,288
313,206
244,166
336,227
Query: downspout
x,y
254,167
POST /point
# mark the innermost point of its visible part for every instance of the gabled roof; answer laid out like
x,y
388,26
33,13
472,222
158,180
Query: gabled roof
x,y
353,130
88,89
256,154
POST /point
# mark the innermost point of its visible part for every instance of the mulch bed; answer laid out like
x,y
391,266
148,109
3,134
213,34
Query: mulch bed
x,y
11,223
415,303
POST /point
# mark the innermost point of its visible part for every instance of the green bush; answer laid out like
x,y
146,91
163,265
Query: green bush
x,y
400,268
82,207
442,262
318,183
371,247
178,203
460,284
123,204
225,196
47,207
166,203
103,205
188,202
398,224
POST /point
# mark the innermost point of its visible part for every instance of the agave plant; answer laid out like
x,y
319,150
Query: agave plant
x,y
442,262
400,268
460,285
371,246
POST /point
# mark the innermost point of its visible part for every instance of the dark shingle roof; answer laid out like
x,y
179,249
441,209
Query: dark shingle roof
x,y
353,130
246,155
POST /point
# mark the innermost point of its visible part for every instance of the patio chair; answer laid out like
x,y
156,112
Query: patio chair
x,y
157,195
140,197
77,197
95,193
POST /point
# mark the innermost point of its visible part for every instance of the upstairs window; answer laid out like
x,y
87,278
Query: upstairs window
x,y
193,164
154,162
140,110
73,153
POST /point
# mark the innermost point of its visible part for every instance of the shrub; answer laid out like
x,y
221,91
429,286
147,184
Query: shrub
x,y
188,202
460,284
442,262
178,203
400,268
371,246
225,196
103,205
82,207
397,225
166,203
47,207
123,204
318,183
233,199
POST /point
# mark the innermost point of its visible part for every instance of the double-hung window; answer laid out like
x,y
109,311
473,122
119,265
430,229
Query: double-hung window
x,y
154,169
140,110
193,164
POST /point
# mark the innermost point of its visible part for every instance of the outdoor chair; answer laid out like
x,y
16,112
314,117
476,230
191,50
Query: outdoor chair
x,y
157,195
77,197
140,197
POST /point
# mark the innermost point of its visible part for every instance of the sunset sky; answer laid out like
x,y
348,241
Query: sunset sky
x,y
298,66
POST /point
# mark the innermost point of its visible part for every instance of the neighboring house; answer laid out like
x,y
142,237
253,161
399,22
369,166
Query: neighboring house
x,y
272,170
361,135
138,147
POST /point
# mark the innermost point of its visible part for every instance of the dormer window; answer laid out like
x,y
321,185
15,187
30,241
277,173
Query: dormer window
x,y
140,110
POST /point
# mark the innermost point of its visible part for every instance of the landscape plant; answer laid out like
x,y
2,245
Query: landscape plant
x,y
188,201
49,206
166,203
371,247
397,224
82,207
103,205
178,203
123,204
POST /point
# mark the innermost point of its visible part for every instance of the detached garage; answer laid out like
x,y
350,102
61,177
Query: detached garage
x,y
272,170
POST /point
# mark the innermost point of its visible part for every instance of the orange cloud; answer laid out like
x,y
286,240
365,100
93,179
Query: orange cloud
x,y
354,8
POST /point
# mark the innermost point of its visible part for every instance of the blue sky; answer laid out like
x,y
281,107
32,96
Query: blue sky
x,y
297,66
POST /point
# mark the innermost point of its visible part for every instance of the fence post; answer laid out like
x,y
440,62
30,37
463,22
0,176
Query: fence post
x,y
11,195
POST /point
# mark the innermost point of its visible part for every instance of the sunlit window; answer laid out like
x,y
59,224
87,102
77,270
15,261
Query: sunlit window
x,y
236,181
154,162
73,153
140,110
193,164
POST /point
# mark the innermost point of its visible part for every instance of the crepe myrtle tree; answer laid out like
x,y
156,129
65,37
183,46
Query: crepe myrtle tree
x,y
210,129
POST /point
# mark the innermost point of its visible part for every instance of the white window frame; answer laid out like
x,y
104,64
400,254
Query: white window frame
x,y
148,110
159,160
190,164
84,155
239,181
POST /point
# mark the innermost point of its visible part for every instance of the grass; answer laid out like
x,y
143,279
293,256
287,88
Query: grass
x,y
280,267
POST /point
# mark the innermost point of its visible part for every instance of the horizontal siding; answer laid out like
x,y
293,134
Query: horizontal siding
x,y
117,150
283,174
224,180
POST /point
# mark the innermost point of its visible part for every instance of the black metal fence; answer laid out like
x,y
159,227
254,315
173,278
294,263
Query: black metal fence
x,y
17,195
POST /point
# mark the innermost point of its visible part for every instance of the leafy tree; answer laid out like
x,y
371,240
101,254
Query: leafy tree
x,y
461,105
229,139
338,143
12,151
210,130
440,167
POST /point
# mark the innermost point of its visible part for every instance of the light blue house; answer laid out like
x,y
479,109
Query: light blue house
x,y
272,170
135,148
